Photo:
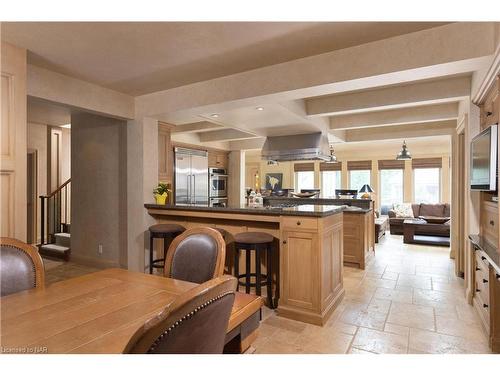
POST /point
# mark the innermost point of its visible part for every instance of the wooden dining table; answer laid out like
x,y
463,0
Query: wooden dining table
x,y
99,312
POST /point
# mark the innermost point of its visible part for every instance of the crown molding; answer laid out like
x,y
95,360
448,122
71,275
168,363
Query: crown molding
x,y
491,75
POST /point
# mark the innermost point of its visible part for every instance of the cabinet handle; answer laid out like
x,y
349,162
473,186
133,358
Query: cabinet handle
x,y
483,258
478,290
478,269
492,222
488,114
298,223
284,242
485,305
497,276
485,281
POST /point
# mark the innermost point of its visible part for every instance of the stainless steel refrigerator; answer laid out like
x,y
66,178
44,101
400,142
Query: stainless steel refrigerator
x,y
191,177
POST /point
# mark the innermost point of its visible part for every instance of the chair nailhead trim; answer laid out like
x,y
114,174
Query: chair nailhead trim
x,y
185,317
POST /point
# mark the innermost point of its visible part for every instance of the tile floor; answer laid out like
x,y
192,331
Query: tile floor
x,y
406,301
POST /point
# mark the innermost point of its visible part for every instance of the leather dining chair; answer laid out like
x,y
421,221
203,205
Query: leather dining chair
x,y
197,255
195,323
21,267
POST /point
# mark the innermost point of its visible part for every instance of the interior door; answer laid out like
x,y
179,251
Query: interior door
x,y
13,150
182,178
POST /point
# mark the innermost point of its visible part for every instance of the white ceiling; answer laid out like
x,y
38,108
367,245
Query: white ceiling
x,y
138,58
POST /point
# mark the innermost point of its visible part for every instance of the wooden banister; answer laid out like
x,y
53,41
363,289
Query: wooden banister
x,y
57,190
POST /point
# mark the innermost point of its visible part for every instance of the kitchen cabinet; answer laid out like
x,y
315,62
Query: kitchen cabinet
x,y
218,159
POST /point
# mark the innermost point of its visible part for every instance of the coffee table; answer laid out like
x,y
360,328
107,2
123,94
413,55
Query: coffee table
x,y
411,226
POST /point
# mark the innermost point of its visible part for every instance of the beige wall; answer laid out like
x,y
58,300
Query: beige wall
x,y
99,181
381,150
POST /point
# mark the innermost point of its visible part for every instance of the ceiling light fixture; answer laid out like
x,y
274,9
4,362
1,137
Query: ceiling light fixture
x,y
333,158
259,108
404,154
214,115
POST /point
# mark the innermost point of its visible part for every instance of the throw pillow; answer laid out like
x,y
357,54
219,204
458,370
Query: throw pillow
x,y
403,210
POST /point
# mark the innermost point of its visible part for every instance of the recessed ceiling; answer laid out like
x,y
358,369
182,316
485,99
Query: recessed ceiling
x,y
138,58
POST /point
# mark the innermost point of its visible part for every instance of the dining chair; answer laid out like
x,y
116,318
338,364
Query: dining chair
x,y
197,255
21,267
195,322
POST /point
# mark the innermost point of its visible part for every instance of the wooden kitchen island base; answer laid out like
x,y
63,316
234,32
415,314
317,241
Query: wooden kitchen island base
x,y
309,244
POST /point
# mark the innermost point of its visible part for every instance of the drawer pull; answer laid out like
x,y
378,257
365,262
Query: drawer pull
x,y
284,242
298,223
483,258
497,276
478,290
488,114
485,305
485,281
478,269
492,223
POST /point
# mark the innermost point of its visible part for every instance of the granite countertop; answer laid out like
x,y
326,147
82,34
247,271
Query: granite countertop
x,y
490,251
312,210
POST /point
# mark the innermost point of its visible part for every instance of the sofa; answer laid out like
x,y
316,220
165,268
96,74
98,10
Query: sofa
x,y
435,211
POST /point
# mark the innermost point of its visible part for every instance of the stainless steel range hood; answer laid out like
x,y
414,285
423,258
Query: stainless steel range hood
x,y
296,147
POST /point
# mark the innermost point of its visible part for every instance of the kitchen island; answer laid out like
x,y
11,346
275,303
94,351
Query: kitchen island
x,y
309,244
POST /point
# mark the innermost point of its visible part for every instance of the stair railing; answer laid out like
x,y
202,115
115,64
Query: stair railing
x,y
55,212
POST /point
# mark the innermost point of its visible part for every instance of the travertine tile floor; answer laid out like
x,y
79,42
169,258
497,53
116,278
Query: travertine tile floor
x,y
406,301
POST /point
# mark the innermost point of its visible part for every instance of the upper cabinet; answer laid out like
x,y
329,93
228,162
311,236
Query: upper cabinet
x,y
165,153
218,159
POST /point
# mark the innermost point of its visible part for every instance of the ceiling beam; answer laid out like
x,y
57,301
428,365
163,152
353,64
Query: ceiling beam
x,y
421,55
402,131
247,144
59,88
421,93
224,135
411,115
196,127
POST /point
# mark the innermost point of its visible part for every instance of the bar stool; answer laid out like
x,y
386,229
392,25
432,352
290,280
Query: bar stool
x,y
166,231
258,242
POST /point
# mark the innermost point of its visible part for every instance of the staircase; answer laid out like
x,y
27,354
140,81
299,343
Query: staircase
x,y
56,223
60,248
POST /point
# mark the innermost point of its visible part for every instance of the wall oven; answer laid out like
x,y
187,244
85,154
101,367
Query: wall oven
x,y
217,202
217,184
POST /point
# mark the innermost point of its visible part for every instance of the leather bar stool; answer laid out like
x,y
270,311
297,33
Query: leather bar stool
x,y
258,242
167,232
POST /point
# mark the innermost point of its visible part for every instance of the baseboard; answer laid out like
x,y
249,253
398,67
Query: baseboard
x,y
93,262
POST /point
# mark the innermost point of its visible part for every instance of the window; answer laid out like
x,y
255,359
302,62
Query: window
x,y
358,178
304,180
330,180
426,182
391,187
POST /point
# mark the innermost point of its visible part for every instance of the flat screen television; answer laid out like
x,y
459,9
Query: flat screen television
x,y
484,148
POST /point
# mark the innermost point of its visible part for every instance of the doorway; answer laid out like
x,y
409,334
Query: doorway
x,y
32,190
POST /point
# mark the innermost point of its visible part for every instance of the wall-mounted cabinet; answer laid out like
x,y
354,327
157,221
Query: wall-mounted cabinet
x,y
165,153
218,159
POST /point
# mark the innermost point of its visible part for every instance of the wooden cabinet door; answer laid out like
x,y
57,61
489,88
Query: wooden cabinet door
x,y
165,153
299,267
221,160
13,148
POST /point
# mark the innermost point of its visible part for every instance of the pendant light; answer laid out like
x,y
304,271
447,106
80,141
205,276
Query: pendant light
x,y
404,154
333,158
